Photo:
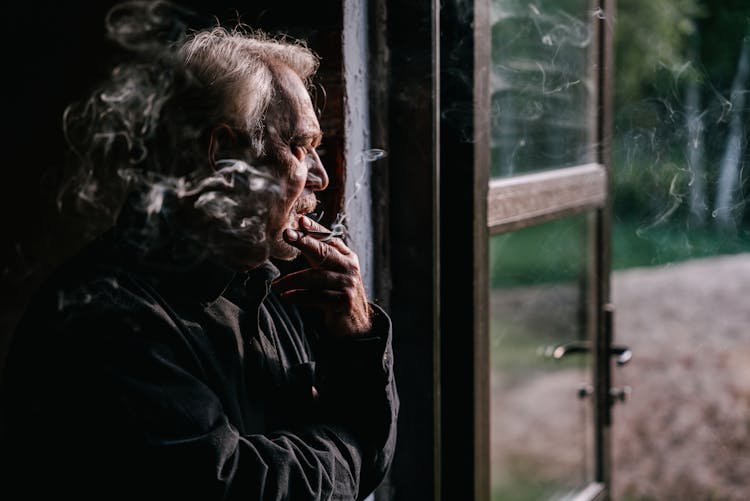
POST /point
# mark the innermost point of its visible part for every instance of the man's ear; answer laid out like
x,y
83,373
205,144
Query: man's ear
x,y
221,142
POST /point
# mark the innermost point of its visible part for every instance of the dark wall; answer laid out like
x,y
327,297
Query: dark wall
x,y
58,52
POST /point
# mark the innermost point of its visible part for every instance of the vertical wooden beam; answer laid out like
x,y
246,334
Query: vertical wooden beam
x,y
412,204
379,65
481,101
602,358
464,149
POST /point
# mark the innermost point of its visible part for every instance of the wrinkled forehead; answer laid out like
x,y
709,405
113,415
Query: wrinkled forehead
x,y
291,108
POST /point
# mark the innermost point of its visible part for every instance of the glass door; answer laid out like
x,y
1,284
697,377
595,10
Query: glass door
x,y
547,221
524,253
541,380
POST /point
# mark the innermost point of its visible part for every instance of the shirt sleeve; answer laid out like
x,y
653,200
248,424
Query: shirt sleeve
x,y
358,390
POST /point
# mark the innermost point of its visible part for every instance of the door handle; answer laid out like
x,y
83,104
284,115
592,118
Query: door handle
x,y
623,353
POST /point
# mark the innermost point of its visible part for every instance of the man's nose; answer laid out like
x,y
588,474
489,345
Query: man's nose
x,y
317,177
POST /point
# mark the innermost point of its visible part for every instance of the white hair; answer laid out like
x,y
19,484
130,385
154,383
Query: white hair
x,y
238,67
143,132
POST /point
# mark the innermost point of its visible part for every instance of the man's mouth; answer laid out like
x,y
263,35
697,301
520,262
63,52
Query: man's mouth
x,y
305,206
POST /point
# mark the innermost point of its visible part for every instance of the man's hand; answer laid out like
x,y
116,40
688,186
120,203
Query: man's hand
x,y
332,282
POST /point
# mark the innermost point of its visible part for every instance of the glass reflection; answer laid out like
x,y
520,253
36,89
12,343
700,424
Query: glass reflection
x,y
540,85
540,407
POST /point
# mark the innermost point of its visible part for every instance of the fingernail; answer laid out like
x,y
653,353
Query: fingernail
x,y
306,222
291,235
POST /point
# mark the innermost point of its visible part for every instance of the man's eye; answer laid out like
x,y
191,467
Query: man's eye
x,y
299,151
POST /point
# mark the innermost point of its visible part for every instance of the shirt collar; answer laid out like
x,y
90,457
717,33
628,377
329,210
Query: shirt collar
x,y
208,280
252,287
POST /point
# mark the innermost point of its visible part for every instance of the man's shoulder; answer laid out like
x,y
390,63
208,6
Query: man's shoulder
x,y
89,308
96,281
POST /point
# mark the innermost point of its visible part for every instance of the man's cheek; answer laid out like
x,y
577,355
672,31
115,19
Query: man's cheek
x,y
299,176
281,216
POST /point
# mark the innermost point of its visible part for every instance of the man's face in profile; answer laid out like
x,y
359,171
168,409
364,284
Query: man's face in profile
x,y
242,221
292,133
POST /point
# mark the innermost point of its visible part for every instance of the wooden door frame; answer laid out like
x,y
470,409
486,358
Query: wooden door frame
x,y
473,208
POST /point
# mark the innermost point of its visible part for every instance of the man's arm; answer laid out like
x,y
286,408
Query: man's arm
x,y
358,389
146,421
118,407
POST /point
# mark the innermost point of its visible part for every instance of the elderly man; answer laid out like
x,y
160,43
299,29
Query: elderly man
x,y
170,360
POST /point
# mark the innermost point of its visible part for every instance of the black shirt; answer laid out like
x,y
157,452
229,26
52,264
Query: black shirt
x,y
131,378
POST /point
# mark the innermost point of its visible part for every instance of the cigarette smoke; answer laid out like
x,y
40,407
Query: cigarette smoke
x,y
540,81
138,144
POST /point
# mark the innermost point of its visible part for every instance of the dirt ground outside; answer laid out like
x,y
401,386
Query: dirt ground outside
x,y
684,431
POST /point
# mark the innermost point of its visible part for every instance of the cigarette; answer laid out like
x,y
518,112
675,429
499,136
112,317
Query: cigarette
x,y
323,236
320,235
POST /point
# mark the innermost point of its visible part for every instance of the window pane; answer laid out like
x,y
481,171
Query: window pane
x,y
540,84
541,429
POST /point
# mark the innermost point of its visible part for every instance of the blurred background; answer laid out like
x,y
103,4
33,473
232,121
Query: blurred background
x,y
681,242
680,250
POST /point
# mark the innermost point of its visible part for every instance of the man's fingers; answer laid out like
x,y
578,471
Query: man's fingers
x,y
308,224
331,253
313,278
329,300
317,253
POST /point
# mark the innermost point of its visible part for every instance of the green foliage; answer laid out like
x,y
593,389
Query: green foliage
x,y
525,487
665,51
650,40
553,252
637,245
549,252
651,183
662,50
724,24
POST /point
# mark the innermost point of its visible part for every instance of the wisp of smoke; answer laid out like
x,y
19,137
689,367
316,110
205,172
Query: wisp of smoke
x,y
137,146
